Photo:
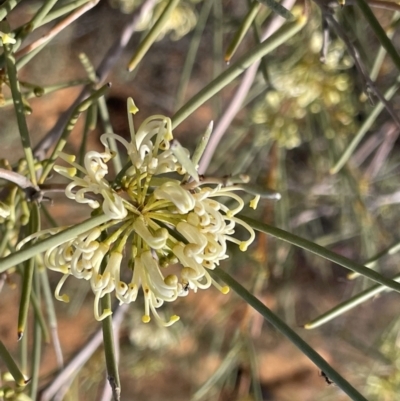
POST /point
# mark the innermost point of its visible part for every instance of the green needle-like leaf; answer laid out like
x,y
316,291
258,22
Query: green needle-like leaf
x,y
29,266
109,350
277,8
242,30
321,251
152,35
11,365
69,127
19,109
282,327
347,305
54,240
237,68
379,32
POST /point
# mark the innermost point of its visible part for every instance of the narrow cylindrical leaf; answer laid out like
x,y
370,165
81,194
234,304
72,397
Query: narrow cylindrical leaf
x,y
379,32
151,37
180,153
283,328
29,266
54,240
109,350
278,8
69,127
11,365
363,130
242,30
237,68
321,251
19,109
347,305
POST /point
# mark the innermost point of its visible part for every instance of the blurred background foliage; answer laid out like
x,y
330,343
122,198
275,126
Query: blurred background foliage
x,y
307,103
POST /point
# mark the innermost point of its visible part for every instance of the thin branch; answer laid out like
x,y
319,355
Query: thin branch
x,y
108,62
289,333
43,245
327,13
238,98
57,28
66,375
17,179
382,153
32,191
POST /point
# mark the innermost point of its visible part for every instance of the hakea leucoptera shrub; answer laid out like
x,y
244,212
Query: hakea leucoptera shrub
x,y
156,222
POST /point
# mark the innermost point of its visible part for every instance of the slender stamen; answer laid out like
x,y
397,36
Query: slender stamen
x,y
64,297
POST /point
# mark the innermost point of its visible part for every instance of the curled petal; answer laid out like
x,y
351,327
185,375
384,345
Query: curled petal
x,y
113,205
98,257
228,192
40,234
197,240
243,245
64,297
216,248
96,305
126,296
195,280
118,138
156,240
187,261
156,282
174,193
95,166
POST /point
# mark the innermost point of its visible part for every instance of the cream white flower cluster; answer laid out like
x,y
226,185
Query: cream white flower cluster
x,y
171,233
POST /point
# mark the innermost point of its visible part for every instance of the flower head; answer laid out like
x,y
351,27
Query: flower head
x,y
168,232
305,88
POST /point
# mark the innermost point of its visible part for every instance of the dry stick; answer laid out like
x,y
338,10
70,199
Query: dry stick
x,y
384,200
57,28
369,146
18,179
241,93
327,13
382,153
108,62
51,317
32,191
65,376
325,41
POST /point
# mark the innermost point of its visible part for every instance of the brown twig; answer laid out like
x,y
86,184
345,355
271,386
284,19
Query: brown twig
x,y
32,191
60,383
369,84
55,30
369,146
381,155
